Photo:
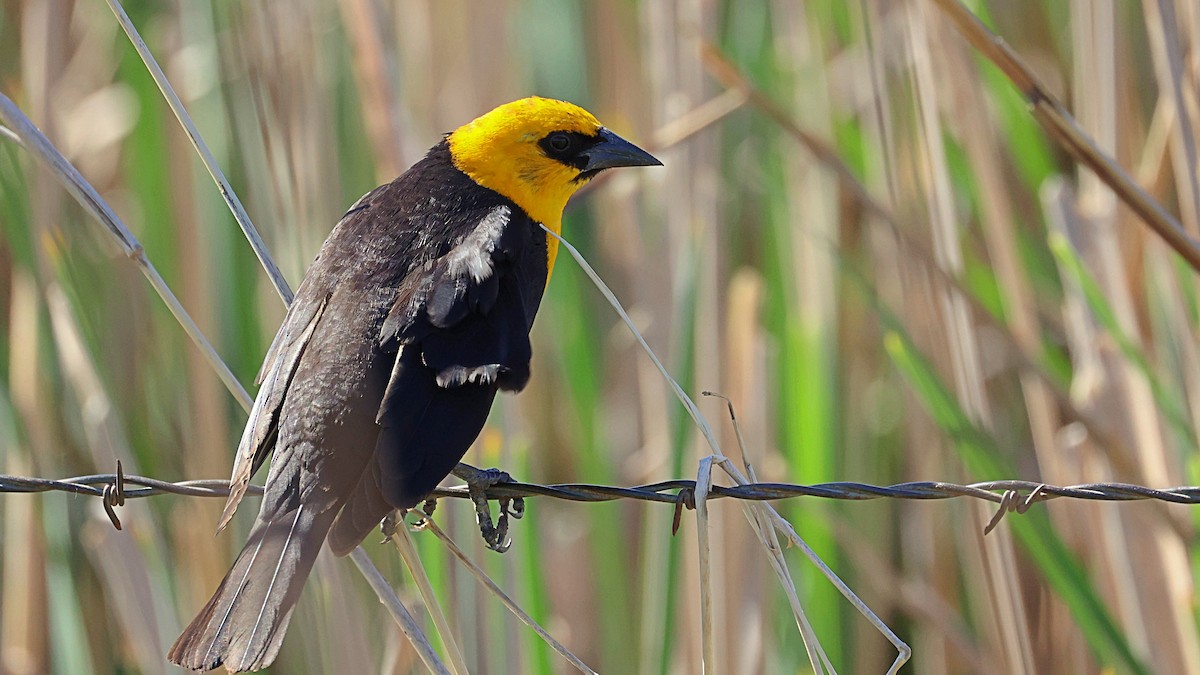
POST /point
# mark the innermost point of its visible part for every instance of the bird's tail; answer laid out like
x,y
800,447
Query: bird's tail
x,y
243,625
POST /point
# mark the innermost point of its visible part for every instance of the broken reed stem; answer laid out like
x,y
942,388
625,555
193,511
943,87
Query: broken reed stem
x,y
708,658
761,525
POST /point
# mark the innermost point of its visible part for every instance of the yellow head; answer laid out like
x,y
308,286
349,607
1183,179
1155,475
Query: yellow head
x,y
538,152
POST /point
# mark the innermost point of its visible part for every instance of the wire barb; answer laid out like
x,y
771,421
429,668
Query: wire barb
x,y
1012,501
113,496
685,498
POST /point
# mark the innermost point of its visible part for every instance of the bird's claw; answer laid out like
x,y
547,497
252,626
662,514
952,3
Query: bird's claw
x,y
389,524
478,481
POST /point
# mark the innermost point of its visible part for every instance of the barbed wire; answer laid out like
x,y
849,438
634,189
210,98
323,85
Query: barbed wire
x,y
1011,495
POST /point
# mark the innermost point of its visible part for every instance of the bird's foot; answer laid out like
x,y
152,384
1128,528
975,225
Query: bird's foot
x,y
478,481
389,524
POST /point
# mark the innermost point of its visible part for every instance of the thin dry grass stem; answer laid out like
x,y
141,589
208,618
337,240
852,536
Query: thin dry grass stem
x,y
206,156
508,602
10,135
1065,131
44,151
737,429
408,552
708,660
387,596
778,521
817,658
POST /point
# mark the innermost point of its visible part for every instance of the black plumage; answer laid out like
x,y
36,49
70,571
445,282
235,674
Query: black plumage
x,y
414,314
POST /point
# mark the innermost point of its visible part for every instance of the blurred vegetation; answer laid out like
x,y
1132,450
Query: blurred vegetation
x,y
1017,322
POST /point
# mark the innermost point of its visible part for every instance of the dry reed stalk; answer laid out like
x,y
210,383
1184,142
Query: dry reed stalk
x,y
380,102
808,284
976,130
745,382
925,554
708,660
412,561
656,537
1095,531
689,204
23,644
1091,381
1123,393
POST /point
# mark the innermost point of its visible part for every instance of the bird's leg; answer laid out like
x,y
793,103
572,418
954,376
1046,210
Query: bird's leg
x,y
478,481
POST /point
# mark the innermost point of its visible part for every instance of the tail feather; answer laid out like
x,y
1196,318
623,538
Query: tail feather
x,y
243,624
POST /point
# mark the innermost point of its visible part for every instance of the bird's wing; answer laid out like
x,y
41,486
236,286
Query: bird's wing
x,y
283,338
460,331
261,429
470,310
275,376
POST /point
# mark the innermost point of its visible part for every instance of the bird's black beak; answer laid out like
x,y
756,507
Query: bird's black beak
x,y
613,151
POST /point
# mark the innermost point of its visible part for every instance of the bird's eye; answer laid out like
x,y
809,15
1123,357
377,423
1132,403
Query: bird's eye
x,y
559,142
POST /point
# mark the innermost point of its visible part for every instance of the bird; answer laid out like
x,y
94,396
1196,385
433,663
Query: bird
x,y
415,313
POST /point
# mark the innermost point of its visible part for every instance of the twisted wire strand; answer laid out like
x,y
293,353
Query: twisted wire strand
x,y
134,487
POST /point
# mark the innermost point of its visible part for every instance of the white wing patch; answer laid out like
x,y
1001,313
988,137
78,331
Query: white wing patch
x,y
474,255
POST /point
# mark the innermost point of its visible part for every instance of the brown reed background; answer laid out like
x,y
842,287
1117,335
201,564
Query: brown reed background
x,y
1007,318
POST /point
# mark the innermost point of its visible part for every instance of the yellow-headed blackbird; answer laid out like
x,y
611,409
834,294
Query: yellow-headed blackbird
x,y
415,313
